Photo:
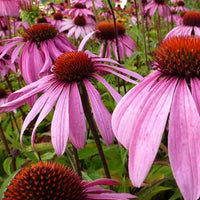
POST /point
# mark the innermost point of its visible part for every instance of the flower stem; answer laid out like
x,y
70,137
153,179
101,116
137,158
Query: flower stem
x,y
12,90
143,34
77,161
3,137
116,31
9,28
93,127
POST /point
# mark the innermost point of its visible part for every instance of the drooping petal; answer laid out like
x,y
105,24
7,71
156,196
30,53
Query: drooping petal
x,y
123,70
117,74
7,47
37,84
148,129
110,196
47,59
77,118
49,104
35,110
103,181
60,123
22,98
128,109
101,114
84,40
15,52
184,142
117,97
195,87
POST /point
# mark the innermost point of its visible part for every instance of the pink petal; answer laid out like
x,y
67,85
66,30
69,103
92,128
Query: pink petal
x,y
8,47
47,59
54,93
131,105
117,74
117,97
35,110
184,142
123,70
103,181
77,118
60,123
15,52
111,196
195,86
21,98
101,114
148,129
84,40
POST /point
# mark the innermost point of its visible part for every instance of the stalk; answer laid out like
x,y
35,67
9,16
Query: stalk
x,y
143,34
3,137
77,161
93,127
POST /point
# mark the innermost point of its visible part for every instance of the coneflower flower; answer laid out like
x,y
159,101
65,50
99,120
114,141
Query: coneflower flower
x,y
55,181
79,26
78,9
56,19
6,65
38,47
105,33
3,96
190,26
181,6
153,5
61,89
9,8
140,118
98,4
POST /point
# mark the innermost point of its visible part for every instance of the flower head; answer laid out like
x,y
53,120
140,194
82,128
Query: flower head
x,y
189,26
160,5
39,33
78,9
78,26
179,58
171,93
54,181
61,89
105,32
39,45
98,4
46,181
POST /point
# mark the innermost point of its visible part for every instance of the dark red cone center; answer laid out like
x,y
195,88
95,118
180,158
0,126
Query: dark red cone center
x,y
73,66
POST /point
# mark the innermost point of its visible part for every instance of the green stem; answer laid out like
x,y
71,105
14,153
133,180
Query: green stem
x,y
93,127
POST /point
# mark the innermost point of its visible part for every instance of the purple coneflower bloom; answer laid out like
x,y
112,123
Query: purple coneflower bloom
x,y
55,181
88,3
163,8
78,9
61,89
3,96
181,6
56,21
38,47
140,118
105,32
190,26
79,26
6,65
9,8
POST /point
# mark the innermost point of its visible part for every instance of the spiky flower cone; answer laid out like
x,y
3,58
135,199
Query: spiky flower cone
x,y
47,181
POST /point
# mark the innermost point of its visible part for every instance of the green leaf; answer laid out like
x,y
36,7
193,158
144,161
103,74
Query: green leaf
x,y
7,165
6,183
176,195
